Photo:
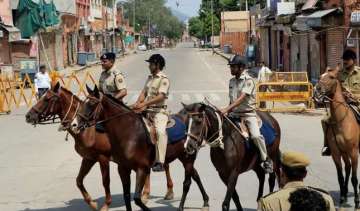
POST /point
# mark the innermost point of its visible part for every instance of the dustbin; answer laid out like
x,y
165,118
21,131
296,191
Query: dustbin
x,y
91,56
82,58
227,49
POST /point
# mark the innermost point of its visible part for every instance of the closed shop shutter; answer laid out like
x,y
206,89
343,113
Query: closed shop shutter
x,y
335,46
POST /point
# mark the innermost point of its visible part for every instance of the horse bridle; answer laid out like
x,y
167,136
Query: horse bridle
x,y
95,114
50,119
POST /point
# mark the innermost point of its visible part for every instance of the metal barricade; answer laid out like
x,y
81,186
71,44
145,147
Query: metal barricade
x,y
286,92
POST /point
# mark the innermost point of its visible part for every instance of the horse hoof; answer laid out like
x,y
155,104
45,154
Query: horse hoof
x,y
169,196
145,198
205,209
105,208
93,205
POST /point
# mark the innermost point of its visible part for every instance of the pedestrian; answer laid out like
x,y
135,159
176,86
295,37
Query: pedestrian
x,y
42,81
263,76
242,106
292,174
111,80
153,99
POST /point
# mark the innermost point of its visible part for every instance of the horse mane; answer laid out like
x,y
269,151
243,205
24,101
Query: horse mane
x,y
120,102
70,93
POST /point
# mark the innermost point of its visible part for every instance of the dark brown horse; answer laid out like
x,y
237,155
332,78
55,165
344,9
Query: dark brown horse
x,y
91,146
134,150
230,154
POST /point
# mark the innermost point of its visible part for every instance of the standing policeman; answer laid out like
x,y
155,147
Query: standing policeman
x,y
111,79
293,172
242,106
153,99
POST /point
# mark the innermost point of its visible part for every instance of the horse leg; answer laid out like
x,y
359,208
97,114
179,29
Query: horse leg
x,y
347,175
337,160
126,182
187,183
261,176
85,168
197,179
141,175
230,189
105,172
235,195
354,179
170,192
272,179
146,191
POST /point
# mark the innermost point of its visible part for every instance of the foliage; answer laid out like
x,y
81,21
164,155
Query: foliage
x,y
155,15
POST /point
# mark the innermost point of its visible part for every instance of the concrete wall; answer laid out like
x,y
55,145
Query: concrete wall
x,y
5,12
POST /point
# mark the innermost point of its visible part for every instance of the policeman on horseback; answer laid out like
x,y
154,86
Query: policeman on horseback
x,y
111,79
350,82
242,106
153,99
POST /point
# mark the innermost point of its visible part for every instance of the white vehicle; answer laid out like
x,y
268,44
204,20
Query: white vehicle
x,y
142,47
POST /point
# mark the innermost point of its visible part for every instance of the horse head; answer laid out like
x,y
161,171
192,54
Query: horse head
x,y
202,126
327,85
46,107
90,110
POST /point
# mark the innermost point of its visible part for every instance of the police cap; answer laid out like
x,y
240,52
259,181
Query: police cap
x,y
294,159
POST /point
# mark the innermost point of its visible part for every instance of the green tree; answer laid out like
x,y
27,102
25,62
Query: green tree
x,y
196,28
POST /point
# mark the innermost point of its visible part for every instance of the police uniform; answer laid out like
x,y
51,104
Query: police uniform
x,y
155,85
246,110
279,201
351,81
111,81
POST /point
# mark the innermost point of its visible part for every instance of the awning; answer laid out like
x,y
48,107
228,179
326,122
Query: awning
x,y
310,4
14,33
315,20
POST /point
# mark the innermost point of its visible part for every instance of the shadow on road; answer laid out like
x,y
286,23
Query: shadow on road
x,y
336,197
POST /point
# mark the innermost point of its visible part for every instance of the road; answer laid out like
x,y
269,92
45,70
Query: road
x,y
38,168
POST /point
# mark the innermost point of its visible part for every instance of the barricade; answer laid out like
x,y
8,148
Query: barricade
x,y
15,92
285,92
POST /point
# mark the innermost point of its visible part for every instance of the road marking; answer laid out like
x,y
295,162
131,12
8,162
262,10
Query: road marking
x,y
199,97
214,97
185,97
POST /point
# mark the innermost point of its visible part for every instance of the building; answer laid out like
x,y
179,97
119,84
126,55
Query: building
x,y
235,28
83,15
97,27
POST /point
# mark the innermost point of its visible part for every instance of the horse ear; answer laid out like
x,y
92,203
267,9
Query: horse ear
x,y
56,87
90,91
96,92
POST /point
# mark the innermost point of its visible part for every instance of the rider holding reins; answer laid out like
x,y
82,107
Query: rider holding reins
x,y
242,106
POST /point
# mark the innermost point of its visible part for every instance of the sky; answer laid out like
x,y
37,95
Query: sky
x,y
188,7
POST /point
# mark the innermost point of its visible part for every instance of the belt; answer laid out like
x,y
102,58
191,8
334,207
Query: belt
x,y
158,107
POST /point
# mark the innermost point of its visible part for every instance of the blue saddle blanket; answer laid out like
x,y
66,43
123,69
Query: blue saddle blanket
x,y
268,132
177,131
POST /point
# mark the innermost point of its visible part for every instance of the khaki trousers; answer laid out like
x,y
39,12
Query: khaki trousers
x,y
256,136
160,122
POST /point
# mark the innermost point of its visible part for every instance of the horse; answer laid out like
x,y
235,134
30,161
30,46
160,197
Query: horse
x,y
343,132
92,146
229,149
132,148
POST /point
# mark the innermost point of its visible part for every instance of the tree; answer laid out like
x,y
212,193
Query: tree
x,y
196,27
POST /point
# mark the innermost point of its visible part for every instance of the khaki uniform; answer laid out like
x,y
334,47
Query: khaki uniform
x,y
111,81
154,86
351,81
246,110
278,201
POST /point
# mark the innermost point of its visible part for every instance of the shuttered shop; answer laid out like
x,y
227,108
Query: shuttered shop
x,y
335,46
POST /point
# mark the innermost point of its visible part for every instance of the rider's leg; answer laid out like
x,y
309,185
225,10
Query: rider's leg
x,y
325,125
259,141
160,121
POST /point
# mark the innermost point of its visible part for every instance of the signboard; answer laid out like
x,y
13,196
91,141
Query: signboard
x,y
355,18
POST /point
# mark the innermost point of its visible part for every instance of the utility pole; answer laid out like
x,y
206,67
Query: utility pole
x,y
114,25
212,25
134,21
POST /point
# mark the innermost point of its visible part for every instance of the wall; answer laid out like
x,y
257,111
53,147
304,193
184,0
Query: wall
x,y
67,6
5,49
5,12
238,41
96,9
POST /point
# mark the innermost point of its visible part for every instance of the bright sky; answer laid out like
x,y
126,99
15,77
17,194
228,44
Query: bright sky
x,y
188,7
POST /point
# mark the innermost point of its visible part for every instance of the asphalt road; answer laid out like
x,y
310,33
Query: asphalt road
x,y
38,168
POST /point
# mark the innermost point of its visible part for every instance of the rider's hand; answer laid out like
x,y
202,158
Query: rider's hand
x,y
224,111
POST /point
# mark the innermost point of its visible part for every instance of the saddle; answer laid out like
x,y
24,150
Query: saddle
x,y
243,128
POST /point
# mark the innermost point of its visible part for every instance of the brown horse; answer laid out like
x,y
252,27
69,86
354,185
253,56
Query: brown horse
x,y
131,146
61,102
90,145
343,132
230,154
